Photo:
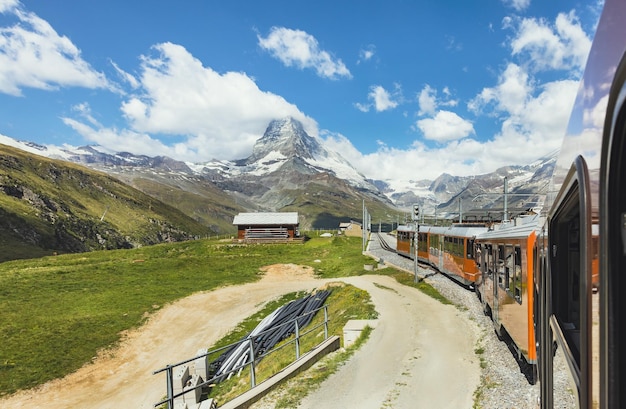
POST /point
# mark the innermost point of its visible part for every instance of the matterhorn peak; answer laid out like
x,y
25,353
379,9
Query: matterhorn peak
x,y
287,137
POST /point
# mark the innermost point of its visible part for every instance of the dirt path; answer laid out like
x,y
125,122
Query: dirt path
x,y
123,377
428,359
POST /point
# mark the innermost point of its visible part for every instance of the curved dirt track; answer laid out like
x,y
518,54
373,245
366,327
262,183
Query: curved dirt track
x,y
428,350
420,355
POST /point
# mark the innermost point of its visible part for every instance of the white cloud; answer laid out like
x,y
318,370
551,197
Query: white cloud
x,y
128,78
366,53
418,162
381,99
427,100
84,110
124,140
296,47
8,5
532,115
211,115
518,5
559,46
445,126
34,55
508,96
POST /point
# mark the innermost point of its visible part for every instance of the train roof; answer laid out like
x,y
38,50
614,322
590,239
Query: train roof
x,y
519,227
406,227
459,230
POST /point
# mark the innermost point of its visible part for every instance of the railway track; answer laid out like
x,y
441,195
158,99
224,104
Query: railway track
x,y
384,245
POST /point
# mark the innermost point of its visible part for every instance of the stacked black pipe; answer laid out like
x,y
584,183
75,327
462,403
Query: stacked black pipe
x,y
271,330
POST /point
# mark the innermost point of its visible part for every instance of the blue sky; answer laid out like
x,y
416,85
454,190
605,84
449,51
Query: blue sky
x,y
402,89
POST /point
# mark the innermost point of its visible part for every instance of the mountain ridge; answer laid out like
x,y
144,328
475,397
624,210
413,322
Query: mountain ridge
x,y
286,160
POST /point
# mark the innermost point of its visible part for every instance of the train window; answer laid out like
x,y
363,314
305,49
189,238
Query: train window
x,y
422,243
517,275
470,249
508,266
478,252
500,266
434,243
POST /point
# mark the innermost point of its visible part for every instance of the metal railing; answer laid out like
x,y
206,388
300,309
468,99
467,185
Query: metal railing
x,y
251,361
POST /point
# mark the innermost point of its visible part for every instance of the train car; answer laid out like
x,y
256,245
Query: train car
x,y
578,316
404,240
505,256
449,249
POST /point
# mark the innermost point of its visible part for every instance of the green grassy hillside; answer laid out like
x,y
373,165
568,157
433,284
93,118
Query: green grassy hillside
x,y
80,303
50,206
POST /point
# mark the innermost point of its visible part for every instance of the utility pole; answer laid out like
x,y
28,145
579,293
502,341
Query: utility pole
x,y
416,214
506,192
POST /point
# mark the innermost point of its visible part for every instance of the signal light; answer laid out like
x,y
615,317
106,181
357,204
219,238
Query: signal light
x,y
416,211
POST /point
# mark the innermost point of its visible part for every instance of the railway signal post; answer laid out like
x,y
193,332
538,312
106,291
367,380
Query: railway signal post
x,y
416,213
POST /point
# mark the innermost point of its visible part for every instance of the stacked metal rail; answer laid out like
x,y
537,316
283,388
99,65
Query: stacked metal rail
x,y
274,328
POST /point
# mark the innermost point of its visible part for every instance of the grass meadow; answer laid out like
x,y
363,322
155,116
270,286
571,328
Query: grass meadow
x,y
57,312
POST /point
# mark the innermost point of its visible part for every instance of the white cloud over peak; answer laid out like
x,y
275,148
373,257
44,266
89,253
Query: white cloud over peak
x,y
205,114
34,55
296,47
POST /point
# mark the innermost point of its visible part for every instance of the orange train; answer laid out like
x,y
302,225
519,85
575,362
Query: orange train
x,y
497,262
450,250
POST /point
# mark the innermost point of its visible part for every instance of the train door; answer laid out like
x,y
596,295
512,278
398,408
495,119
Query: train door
x,y
480,258
613,247
498,279
488,270
566,332
440,252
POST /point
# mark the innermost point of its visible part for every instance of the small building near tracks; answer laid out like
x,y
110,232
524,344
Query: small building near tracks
x,y
267,227
351,229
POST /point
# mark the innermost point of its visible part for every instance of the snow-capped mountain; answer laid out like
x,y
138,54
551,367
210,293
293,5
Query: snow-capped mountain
x,y
285,144
287,167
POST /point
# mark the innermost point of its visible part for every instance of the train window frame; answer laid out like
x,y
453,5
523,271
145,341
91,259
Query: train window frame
x,y
569,276
499,264
517,273
612,246
488,260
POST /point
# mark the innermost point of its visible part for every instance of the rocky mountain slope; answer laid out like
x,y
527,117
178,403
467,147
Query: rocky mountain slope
x,y
49,206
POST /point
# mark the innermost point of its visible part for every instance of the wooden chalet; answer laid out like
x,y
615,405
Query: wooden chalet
x,y
267,227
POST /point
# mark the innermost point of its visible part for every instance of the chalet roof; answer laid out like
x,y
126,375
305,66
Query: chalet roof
x,y
260,218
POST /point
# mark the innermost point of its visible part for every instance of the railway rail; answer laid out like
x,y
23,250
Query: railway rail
x,y
384,244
